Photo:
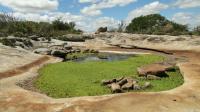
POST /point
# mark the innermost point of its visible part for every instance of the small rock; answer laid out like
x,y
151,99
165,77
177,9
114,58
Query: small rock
x,y
86,51
73,51
115,88
128,86
58,53
78,50
43,51
106,82
109,85
66,47
136,87
122,82
94,51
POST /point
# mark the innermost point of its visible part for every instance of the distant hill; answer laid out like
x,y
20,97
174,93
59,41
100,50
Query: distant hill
x,y
155,24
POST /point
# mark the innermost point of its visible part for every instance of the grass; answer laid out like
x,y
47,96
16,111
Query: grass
x,y
70,79
76,55
72,56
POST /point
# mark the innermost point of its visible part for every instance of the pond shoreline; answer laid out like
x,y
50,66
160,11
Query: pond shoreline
x,y
92,72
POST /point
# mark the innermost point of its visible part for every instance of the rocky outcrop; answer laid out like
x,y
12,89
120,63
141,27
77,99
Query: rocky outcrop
x,y
15,41
44,51
101,29
75,37
124,84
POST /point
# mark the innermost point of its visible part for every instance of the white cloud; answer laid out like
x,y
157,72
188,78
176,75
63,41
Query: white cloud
x,y
192,20
91,11
30,5
82,22
105,22
95,9
88,1
187,3
92,25
48,17
152,8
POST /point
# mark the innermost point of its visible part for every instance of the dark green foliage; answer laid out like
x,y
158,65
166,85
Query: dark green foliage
x,y
155,24
8,42
12,42
11,26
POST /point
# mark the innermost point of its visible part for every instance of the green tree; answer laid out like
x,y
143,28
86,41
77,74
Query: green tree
x,y
155,24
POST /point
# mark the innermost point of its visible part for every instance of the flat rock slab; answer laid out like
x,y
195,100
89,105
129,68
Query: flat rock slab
x,y
185,98
153,69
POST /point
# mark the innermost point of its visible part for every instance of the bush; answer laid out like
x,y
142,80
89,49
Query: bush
x,y
19,34
20,28
155,24
2,34
8,42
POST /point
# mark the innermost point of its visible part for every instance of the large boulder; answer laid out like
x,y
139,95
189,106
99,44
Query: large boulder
x,y
102,29
34,37
75,37
43,51
59,53
154,69
68,47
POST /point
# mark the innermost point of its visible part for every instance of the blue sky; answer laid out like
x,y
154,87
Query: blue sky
x,y
91,14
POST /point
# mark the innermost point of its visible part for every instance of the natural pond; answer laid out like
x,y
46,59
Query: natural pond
x,y
103,57
83,76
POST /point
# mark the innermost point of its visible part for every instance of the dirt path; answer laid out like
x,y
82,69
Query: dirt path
x,y
185,98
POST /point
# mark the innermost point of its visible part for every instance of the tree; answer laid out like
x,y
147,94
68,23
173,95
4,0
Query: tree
x,y
121,26
155,24
196,30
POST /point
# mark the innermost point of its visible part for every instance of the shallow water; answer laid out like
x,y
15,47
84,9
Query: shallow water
x,y
107,57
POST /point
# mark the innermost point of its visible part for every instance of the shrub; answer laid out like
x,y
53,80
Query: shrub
x,y
8,42
155,24
19,34
21,28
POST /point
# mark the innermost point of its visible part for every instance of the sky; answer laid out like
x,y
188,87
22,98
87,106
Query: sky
x,y
92,14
